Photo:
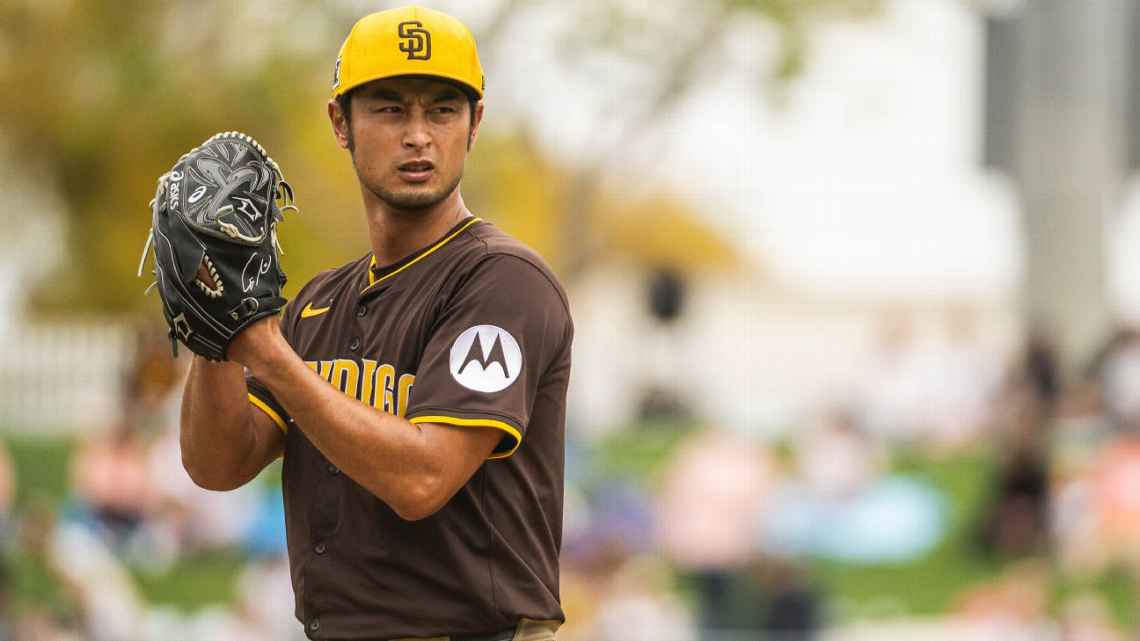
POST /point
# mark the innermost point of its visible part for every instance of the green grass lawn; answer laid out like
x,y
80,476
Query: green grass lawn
x,y
41,468
194,581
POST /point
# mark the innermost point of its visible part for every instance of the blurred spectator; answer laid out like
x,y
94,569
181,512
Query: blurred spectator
x,y
793,609
7,491
619,523
1095,512
891,391
713,487
841,506
1017,521
1114,483
835,459
639,604
582,582
1040,369
1080,429
110,605
965,382
713,490
1016,601
896,520
934,392
1079,435
110,480
1119,370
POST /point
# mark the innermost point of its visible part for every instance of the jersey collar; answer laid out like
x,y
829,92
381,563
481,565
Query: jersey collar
x,y
388,272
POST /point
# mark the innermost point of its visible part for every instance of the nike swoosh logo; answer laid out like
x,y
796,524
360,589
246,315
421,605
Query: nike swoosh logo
x,y
309,312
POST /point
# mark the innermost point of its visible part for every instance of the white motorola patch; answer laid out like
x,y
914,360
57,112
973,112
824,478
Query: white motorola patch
x,y
486,358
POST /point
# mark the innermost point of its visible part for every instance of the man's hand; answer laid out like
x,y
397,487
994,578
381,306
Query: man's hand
x,y
260,344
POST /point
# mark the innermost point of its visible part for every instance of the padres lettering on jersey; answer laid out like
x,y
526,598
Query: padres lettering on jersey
x,y
368,381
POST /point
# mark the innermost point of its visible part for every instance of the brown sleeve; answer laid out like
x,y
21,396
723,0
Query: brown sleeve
x,y
490,347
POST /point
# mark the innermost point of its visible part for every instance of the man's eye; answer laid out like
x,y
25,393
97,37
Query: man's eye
x,y
445,110
388,109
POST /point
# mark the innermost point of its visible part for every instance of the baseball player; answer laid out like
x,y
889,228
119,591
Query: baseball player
x,y
417,393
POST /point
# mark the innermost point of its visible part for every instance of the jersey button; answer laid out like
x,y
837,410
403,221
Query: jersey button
x,y
354,345
361,311
334,470
315,625
320,548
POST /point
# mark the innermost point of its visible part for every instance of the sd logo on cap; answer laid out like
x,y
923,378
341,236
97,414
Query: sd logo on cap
x,y
409,41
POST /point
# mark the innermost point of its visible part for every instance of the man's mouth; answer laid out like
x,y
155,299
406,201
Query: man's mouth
x,y
416,170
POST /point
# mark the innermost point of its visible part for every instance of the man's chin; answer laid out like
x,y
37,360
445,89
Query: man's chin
x,y
415,199
411,200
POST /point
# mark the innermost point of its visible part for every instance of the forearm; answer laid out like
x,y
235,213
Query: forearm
x,y
218,439
386,454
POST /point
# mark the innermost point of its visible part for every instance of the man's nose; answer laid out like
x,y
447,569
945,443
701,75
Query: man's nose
x,y
416,136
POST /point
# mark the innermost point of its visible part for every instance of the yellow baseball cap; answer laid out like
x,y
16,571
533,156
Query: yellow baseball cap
x,y
408,41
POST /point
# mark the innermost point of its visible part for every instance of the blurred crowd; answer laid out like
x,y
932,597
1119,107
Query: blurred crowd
x,y
675,530
725,538
131,511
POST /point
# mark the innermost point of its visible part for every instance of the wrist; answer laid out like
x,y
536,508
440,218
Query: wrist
x,y
259,347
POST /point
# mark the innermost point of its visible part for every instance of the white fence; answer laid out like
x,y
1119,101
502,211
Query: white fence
x,y
58,379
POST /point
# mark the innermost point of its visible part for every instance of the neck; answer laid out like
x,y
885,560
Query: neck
x,y
395,233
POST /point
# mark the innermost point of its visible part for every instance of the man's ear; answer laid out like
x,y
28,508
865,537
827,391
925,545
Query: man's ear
x,y
475,125
340,125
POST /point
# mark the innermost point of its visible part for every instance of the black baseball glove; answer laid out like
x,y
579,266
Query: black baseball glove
x,y
214,233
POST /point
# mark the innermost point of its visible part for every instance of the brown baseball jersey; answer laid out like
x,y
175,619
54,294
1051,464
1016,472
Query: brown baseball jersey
x,y
472,331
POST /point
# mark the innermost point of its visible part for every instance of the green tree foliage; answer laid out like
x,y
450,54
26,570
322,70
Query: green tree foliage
x,y
104,95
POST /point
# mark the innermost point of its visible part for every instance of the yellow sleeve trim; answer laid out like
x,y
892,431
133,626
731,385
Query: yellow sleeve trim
x,y
476,422
264,407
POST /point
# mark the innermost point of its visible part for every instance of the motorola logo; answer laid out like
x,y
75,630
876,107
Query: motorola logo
x,y
486,358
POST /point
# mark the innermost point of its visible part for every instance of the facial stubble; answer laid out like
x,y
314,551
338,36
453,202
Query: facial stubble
x,y
415,201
